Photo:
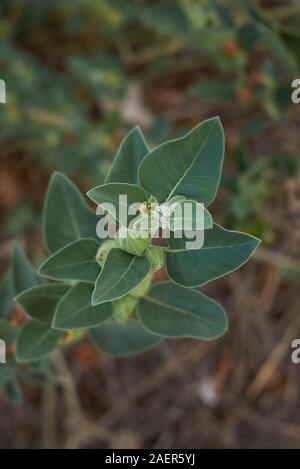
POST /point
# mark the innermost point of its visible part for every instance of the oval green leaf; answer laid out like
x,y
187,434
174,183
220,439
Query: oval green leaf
x,y
40,302
75,311
131,152
173,311
121,340
76,261
122,272
36,341
116,206
223,252
189,166
67,217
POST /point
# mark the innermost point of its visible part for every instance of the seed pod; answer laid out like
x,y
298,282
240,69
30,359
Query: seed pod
x,y
104,250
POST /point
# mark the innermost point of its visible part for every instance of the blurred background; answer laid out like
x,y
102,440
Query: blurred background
x,y
79,75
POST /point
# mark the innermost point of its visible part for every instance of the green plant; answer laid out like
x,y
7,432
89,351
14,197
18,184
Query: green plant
x,y
19,277
105,288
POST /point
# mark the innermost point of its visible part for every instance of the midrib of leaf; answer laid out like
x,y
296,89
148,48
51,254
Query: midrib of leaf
x,y
205,248
59,267
177,309
40,340
40,295
192,163
78,311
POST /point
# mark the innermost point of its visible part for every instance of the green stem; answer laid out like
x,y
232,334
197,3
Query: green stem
x,y
49,417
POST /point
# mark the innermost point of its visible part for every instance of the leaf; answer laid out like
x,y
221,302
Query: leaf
x,y
174,311
248,35
189,166
18,277
75,311
76,261
8,332
40,302
67,217
110,194
7,293
23,274
121,273
131,152
121,340
278,48
36,341
189,216
223,252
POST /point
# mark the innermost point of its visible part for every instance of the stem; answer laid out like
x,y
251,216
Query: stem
x,y
68,384
49,417
76,418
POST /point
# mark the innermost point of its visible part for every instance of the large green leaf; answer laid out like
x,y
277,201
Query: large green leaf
x,y
75,311
110,194
223,252
189,166
40,302
121,340
174,311
131,152
67,217
121,273
76,261
36,341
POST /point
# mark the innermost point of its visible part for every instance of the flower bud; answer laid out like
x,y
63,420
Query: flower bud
x,y
155,254
143,288
133,241
104,250
124,308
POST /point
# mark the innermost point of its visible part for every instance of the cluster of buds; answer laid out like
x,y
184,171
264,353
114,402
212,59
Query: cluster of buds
x,y
154,215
